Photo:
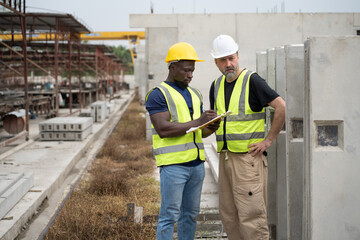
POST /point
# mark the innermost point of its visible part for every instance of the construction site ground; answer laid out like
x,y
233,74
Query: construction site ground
x,y
58,165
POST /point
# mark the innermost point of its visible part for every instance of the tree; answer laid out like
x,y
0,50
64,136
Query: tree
x,y
124,54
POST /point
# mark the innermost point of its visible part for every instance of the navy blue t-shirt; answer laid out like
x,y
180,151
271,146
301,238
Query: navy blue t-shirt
x,y
156,103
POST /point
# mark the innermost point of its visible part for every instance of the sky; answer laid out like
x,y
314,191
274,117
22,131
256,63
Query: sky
x,y
113,15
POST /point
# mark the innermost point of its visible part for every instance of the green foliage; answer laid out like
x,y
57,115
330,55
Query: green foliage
x,y
124,54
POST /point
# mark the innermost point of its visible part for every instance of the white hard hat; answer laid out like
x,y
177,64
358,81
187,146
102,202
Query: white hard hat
x,y
223,45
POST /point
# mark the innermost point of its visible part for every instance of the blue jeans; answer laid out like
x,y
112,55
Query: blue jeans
x,y
180,188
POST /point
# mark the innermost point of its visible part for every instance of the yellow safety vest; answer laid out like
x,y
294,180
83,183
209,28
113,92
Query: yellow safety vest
x,y
182,149
243,127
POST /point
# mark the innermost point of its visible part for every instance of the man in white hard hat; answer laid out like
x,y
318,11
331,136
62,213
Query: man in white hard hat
x,y
241,142
174,108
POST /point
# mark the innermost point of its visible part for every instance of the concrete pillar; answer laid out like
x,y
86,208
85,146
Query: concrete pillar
x,y
261,64
294,68
271,204
281,163
331,140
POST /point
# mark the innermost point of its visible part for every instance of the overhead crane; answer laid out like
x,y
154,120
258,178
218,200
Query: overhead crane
x,y
132,37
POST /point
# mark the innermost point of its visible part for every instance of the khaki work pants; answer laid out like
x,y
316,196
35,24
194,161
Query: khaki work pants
x,y
242,195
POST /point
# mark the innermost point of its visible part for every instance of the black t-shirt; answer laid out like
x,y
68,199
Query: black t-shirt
x,y
260,93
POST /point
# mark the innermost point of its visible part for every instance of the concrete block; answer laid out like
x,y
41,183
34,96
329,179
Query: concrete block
x,y
79,136
85,113
79,123
46,136
60,124
98,111
110,106
47,125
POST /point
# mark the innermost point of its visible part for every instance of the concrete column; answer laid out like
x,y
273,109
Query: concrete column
x,y
281,162
271,205
294,62
261,64
331,137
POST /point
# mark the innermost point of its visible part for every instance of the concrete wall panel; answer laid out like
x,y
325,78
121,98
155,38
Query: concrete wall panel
x,y
357,19
156,52
201,37
327,24
153,20
257,32
254,32
332,137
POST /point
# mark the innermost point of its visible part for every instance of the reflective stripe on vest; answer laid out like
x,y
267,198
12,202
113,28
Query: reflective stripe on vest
x,y
244,126
184,148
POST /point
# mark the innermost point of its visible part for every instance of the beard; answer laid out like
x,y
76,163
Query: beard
x,y
230,75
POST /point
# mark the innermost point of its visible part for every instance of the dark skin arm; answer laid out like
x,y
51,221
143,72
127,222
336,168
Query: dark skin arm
x,y
165,128
278,122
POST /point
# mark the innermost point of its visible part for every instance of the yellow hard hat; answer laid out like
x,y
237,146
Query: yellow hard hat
x,y
182,51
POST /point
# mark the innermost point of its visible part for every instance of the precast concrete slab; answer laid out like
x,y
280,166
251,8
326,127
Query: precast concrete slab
x,y
50,162
294,62
331,137
261,64
271,152
281,161
14,185
280,84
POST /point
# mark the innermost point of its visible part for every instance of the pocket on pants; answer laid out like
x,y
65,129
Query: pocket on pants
x,y
250,200
265,161
248,169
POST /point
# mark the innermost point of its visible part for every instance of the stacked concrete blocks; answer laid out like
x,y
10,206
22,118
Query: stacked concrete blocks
x,y
13,186
99,111
65,129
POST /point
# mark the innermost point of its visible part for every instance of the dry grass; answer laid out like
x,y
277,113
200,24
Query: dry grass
x,y
121,174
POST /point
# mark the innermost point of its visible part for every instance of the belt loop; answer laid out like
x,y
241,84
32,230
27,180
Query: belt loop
x,y
226,153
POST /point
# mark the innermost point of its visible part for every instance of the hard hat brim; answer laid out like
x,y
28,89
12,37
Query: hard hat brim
x,y
222,55
178,60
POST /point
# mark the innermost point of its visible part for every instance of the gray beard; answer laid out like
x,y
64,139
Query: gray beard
x,y
230,75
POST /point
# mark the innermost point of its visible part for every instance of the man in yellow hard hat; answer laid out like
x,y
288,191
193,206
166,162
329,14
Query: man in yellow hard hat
x,y
241,142
174,108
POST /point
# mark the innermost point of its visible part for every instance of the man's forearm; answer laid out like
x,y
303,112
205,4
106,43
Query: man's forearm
x,y
277,125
